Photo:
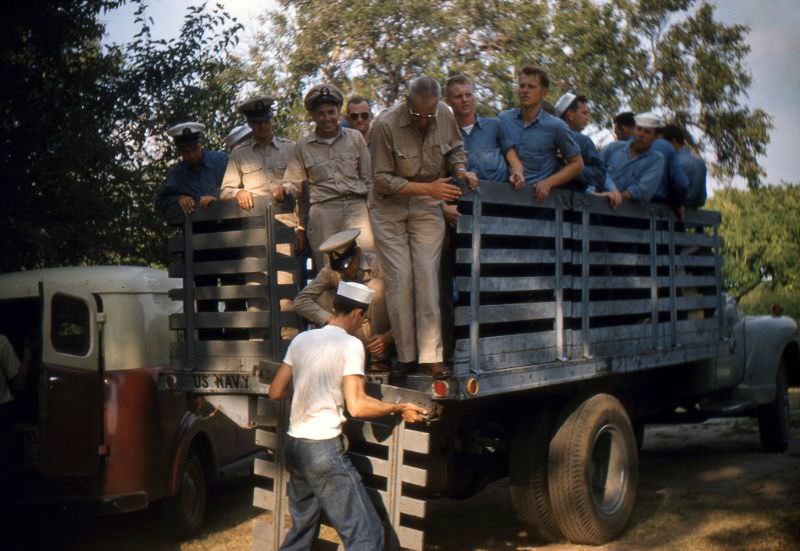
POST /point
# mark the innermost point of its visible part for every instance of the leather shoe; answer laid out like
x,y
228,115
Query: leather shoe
x,y
438,370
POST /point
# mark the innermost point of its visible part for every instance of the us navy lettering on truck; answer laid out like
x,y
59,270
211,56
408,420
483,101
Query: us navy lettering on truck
x,y
215,381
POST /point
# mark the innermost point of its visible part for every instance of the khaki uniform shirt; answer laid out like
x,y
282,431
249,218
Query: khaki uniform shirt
x,y
315,301
255,167
332,170
401,153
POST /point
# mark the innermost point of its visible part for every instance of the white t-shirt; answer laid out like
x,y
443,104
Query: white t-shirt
x,y
320,359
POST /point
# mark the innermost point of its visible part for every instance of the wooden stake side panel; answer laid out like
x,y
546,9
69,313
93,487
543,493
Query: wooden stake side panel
x,y
570,280
240,277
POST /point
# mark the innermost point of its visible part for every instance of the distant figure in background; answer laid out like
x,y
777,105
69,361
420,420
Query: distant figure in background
x,y
634,169
237,136
197,176
9,413
574,110
359,115
694,167
624,125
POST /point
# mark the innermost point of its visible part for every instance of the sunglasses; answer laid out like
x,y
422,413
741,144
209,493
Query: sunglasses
x,y
362,116
422,115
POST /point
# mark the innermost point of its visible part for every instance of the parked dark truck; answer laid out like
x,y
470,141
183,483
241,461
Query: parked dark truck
x,y
573,326
91,429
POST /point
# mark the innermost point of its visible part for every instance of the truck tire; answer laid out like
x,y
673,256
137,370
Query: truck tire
x,y
593,470
774,418
184,513
530,494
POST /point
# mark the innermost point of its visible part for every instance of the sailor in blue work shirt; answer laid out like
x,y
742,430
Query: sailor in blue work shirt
x,y
481,134
196,177
532,139
694,167
674,184
634,169
574,110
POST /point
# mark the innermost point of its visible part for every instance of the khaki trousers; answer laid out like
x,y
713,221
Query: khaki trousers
x,y
409,233
335,215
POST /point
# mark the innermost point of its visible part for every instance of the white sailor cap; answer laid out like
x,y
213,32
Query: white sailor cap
x,y
236,135
340,248
186,133
647,120
357,292
563,103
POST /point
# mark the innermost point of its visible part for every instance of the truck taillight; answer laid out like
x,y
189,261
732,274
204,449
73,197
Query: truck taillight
x,y
441,389
472,386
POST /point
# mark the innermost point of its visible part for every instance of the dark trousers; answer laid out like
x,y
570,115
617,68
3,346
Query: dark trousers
x,y
323,479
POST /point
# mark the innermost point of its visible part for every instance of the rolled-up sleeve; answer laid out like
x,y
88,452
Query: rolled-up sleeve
x,y
305,303
365,163
384,177
232,180
566,143
508,132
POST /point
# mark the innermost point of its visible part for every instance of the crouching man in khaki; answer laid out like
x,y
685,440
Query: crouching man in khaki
x,y
348,262
415,145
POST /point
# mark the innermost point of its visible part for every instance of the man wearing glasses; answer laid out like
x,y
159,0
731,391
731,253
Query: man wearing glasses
x,y
359,115
416,148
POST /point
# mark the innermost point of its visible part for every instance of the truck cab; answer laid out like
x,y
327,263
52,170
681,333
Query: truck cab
x,y
89,427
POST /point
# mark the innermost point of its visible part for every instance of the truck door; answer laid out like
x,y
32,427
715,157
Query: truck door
x,y
71,387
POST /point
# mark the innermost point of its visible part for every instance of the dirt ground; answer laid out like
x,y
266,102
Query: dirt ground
x,y
702,487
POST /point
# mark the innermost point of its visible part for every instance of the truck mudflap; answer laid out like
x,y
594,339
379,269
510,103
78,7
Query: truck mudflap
x,y
389,455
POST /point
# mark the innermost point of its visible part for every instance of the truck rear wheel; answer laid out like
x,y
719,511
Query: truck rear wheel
x,y
530,494
593,470
774,418
184,513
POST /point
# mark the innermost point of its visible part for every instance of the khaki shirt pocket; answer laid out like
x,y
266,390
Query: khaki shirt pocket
x,y
253,176
408,163
348,165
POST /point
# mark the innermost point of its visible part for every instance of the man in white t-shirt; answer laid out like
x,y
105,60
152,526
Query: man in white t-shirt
x,y
326,367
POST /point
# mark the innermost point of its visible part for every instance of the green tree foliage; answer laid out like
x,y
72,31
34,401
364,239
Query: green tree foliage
x,y
82,128
761,236
668,55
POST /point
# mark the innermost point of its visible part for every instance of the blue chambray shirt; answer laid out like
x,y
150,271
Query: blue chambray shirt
x,y
593,176
640,176
695,170
184,180
674,184
537,143
485,150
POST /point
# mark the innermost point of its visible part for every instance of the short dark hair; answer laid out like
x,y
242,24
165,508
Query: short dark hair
x,y
626,119
455,80
533,70
343,305
673,133
574,105
358,99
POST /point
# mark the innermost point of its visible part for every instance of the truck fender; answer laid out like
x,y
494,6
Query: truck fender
x,y
191,433
762,343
